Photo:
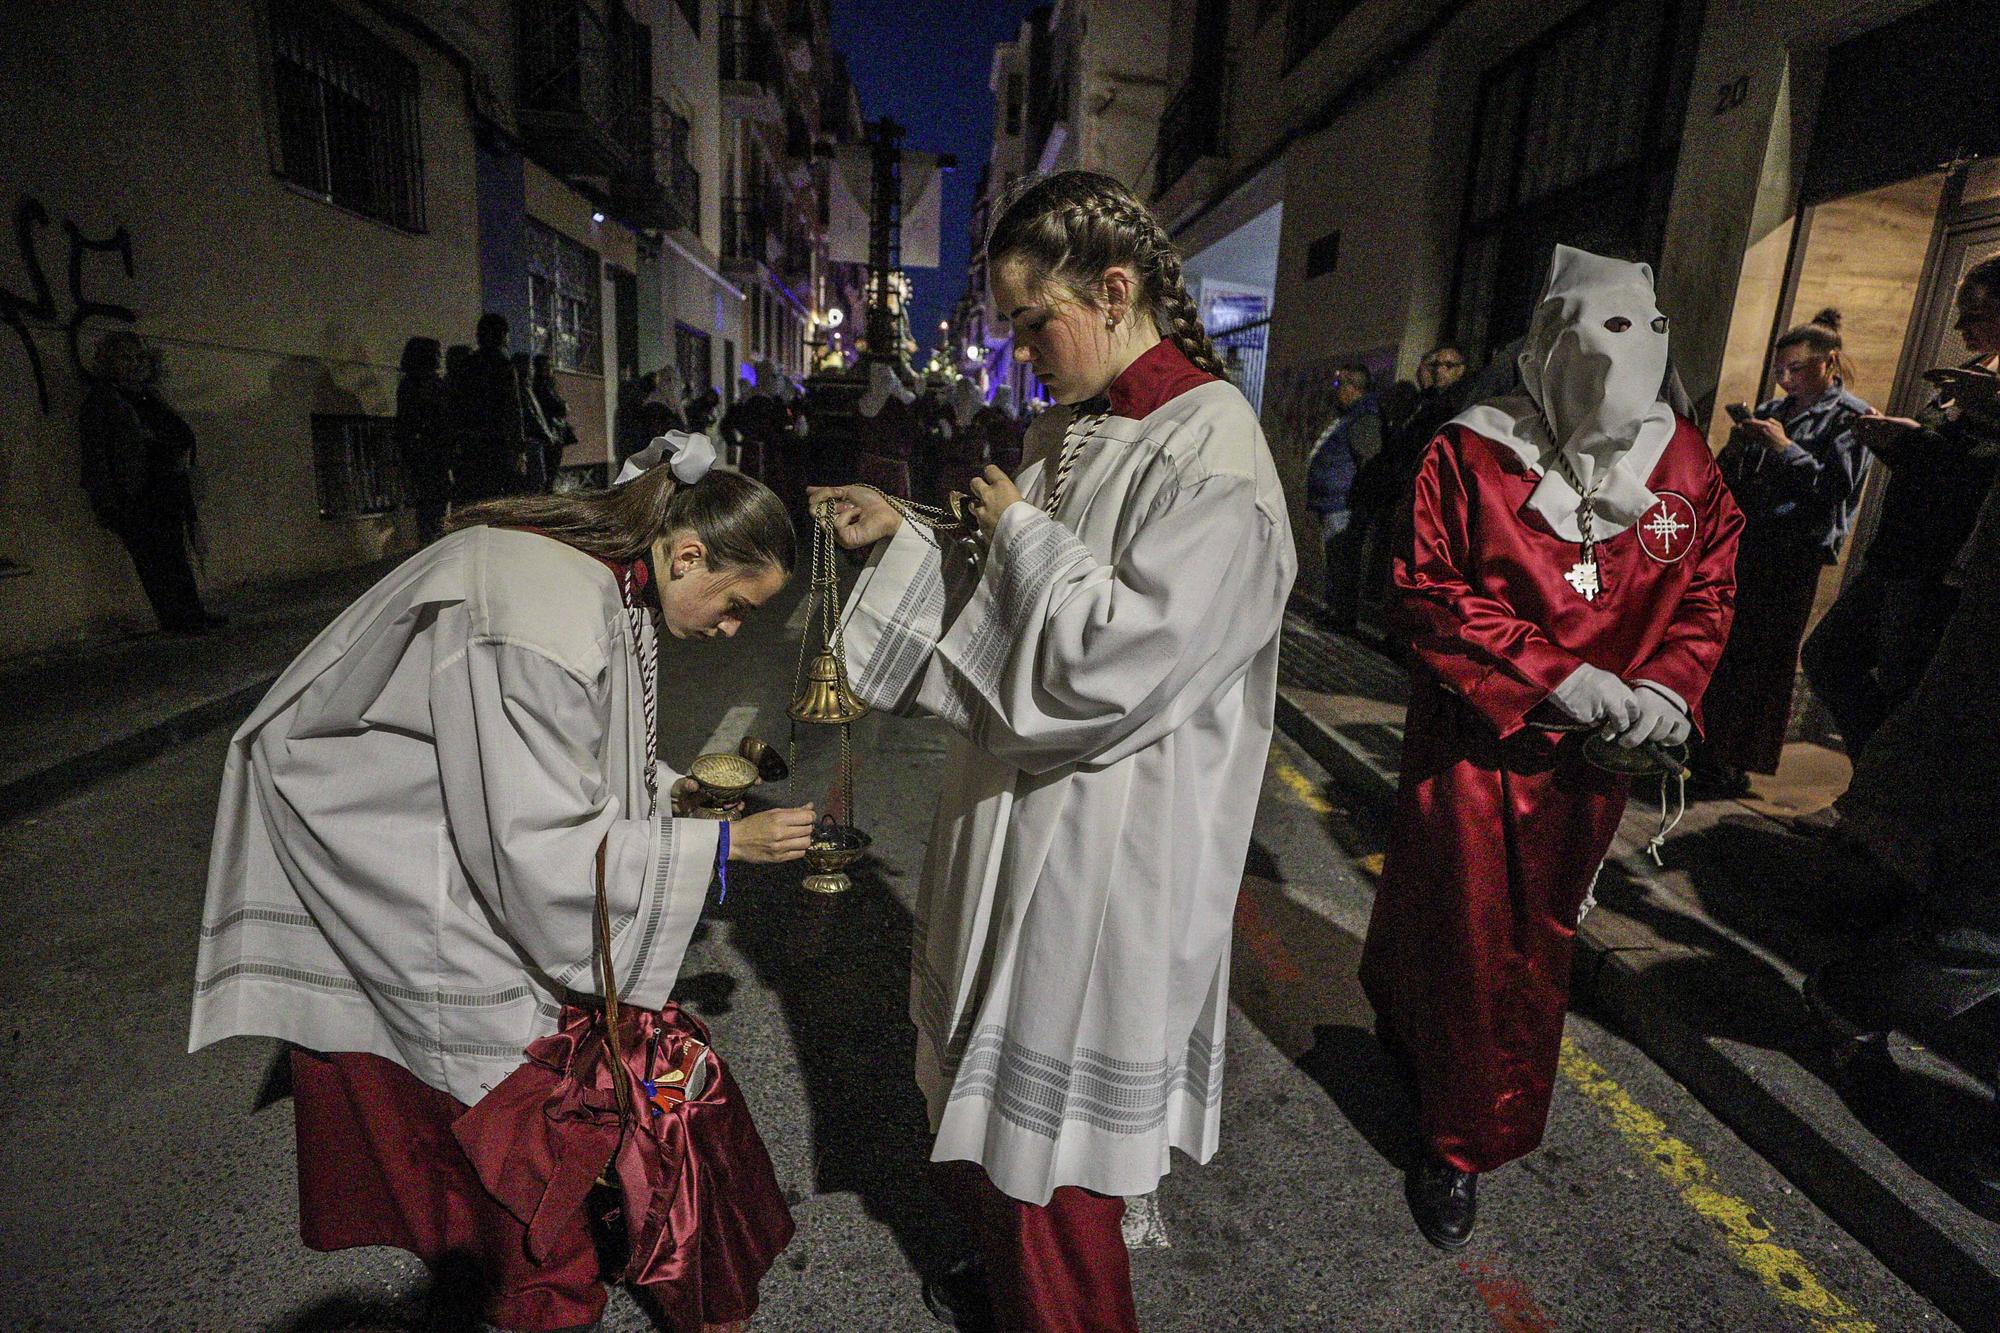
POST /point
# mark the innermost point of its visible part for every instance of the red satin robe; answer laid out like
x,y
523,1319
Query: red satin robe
x,y
1501,826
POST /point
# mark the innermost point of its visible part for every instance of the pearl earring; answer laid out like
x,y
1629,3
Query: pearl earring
x,y
1110,321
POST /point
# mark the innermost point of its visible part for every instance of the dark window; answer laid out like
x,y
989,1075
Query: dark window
x,y
1309,22
730,373
691,358
1575,143
346,104
565,300
1015,96
1323,255
355,465
691,11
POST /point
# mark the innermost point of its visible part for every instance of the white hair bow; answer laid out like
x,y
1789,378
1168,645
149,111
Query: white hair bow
x,y
689,455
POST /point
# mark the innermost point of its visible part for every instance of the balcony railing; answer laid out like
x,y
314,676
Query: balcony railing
x,y
749,54
584,80
1194,126
684,191
744,231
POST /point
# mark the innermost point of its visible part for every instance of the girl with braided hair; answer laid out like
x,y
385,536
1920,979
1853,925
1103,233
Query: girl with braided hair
x,y
1109,671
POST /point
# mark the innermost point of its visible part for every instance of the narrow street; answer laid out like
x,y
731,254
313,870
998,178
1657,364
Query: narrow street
x,y
149,1194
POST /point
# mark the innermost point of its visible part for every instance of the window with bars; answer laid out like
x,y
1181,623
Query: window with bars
x,y
565,300
346,111
1576,140
356,467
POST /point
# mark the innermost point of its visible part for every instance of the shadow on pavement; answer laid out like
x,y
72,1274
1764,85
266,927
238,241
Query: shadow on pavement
x,y
840,968
1783,893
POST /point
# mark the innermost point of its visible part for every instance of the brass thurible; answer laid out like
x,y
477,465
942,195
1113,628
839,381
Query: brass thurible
x,y
822,697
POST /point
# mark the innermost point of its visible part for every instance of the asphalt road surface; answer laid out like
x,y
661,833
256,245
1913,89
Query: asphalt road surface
x,y
143,1192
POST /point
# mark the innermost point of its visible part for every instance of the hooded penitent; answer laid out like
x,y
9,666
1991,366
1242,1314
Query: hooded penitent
x,y
1592,367
1501,822
882,386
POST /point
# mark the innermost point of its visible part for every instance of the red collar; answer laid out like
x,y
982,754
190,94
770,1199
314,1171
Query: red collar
x,y
1161,375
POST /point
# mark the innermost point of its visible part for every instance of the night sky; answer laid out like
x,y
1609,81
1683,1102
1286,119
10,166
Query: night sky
x,y
924,62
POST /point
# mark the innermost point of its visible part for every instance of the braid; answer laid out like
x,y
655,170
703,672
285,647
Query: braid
x,y
1073,225
1176,309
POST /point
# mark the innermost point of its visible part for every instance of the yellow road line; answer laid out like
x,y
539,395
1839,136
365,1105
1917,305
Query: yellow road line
x,y
1302,787
1747,1235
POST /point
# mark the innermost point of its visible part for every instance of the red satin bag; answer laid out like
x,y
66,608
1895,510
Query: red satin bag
x,y
704,1216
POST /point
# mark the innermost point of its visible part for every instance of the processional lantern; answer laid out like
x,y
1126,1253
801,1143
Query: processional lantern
x,y
821,697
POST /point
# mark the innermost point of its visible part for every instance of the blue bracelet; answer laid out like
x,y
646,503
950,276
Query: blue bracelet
x,y
722,862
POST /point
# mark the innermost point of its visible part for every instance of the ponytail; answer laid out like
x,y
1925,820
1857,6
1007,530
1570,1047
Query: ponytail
x,y
739,519
1070,226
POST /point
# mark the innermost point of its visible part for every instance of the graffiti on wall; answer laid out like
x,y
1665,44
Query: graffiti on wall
x,y
30,220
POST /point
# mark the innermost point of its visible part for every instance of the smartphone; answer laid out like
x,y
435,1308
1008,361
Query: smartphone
x,y
1738,412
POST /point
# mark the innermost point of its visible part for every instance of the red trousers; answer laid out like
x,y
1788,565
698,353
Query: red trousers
x,y
1060,1267
380,1164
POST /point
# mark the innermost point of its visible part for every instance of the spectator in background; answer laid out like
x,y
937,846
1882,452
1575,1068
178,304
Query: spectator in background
x,y
423,436
1350,441
1921,806
1873,644
1795,468
628,434
555,413
1382,486
535,433
137,459
701,409
486,418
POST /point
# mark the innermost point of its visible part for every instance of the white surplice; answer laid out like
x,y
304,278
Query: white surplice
x,y
405,849
1110,675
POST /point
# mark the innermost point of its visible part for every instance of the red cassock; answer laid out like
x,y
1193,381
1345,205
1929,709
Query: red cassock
x,y
1501,826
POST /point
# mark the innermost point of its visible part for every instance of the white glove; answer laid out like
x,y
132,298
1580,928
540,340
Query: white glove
x,y
1660,720
1597,698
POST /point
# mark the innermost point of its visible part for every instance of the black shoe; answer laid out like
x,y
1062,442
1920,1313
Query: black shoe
x,y
959,1297
1444,1201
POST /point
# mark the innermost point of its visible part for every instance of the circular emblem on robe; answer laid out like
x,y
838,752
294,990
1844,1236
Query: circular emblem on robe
x,y
1666,531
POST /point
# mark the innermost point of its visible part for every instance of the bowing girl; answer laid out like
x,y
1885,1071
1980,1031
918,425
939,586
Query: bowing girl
x,y
444,836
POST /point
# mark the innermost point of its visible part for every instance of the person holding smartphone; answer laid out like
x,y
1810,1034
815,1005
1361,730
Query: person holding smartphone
x,y
1872,646
1795,468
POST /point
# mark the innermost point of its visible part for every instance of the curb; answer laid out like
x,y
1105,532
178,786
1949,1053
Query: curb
x,y
45,786
1910,1229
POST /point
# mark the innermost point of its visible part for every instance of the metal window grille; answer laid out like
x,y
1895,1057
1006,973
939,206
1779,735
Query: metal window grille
x,y
346,105
355,465
1243,348
565,300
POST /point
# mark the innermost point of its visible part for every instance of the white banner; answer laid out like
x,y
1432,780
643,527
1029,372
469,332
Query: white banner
x,y
850,188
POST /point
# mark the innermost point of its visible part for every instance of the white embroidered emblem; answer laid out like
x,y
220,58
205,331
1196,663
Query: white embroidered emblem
x,y
1667,530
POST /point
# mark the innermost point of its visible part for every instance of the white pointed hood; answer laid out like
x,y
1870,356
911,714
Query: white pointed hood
x,y
1591,367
